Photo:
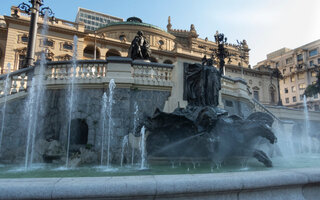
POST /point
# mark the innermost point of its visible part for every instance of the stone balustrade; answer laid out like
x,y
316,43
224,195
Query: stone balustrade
x,y
16,82
123,70
152,74
62,72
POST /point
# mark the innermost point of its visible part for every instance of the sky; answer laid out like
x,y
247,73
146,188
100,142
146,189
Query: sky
x,y
267,25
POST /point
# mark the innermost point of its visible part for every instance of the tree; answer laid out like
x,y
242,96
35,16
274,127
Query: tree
x,y
313,89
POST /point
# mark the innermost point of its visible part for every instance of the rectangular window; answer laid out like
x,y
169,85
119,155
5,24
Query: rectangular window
x,y
287,100
21,60
292,79
294,99
48,43
301,97
277,64
256,95
67,46
284,71
288,60
284,80
291,69
313,52
318,60
302,86
299,57
300,76
286,90
311,63
229,103
293,89
315,96
89,16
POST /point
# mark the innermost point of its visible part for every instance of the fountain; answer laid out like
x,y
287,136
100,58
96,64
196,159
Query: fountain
x,y
71,94
35,104
193,140
103,122
307,144
123,146
5,94
112,86
142,148
135,124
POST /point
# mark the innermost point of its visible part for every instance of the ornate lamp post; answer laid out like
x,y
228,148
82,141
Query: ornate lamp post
x,y
34,11
221,53
276,73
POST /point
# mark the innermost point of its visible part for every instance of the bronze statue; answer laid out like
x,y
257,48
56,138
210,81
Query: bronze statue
x,y
203,83
139,48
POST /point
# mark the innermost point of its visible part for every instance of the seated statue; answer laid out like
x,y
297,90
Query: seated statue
x,y
139,48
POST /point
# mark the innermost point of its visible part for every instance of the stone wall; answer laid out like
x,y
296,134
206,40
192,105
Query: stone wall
x,y
87,106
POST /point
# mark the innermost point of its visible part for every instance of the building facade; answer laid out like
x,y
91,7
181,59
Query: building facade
x,y
298,70
94,20
171,46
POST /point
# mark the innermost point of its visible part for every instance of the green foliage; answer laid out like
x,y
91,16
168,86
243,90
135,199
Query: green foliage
x,y
311,90
89,146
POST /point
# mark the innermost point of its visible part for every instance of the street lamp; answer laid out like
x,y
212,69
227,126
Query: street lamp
x,y
276,73
34,11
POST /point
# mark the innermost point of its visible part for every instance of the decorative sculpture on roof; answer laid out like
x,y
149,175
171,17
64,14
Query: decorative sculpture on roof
x,y
139,48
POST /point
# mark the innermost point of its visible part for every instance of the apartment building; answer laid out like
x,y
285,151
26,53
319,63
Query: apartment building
x,y
298,69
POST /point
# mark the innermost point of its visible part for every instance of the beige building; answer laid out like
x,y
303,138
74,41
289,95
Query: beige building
x,y
297,67
171,46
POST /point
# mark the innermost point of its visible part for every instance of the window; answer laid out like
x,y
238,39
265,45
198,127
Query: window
x,y
122,38
292,78
293,89
291,69
318,60
161,42
313,52
313,74
24,38
287,100
315,96
288,60
302,86
256,95
311,63
316,107
286,90
67,46
229,103
48,43
299,57
277,64
21,60
294,99
284,71
300,76
301,97
284,80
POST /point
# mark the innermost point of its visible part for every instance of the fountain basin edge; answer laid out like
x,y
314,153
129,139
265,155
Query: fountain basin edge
x,y
299,184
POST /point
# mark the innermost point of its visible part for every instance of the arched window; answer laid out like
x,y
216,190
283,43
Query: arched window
x,y
88,52
153,59
78,131
168,62
112,52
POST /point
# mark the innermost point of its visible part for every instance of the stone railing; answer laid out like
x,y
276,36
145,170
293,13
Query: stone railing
x,y
145,73
86,71
16,82
59,73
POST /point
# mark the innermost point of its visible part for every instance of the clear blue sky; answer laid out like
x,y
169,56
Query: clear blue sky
x,y
267,25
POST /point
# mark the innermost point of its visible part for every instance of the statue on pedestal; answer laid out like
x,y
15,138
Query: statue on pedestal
x,y
139,48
